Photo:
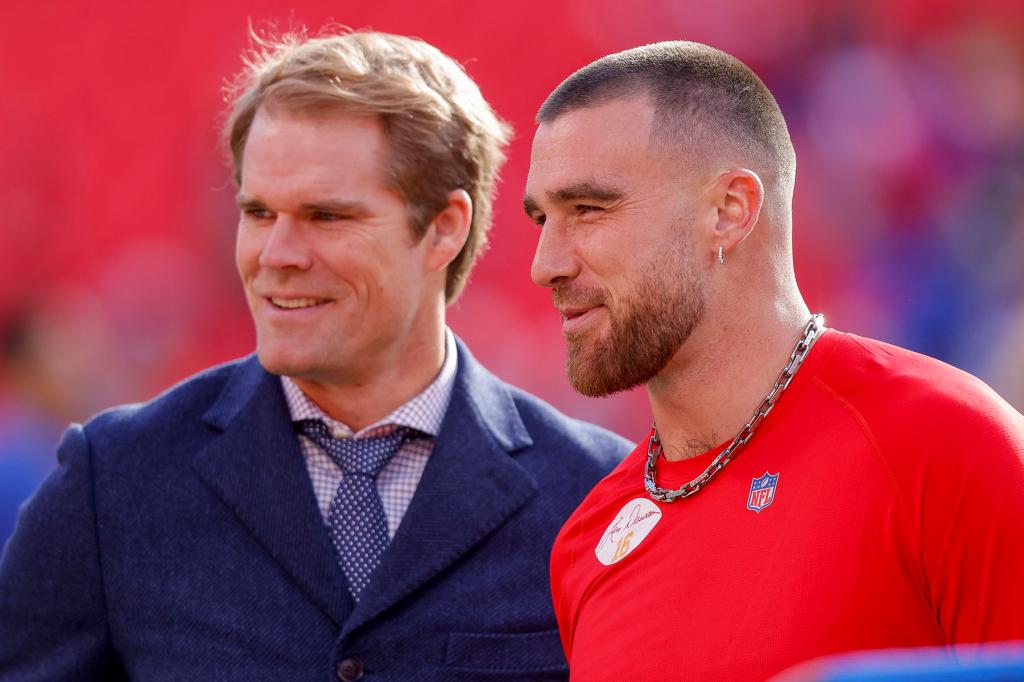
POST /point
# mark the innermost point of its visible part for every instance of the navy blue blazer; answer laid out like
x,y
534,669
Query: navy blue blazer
x,y
181,540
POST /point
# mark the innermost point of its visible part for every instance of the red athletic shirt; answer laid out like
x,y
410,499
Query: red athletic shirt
x,y
881,504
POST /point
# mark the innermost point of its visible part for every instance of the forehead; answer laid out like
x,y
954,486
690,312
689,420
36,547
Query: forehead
x,y
287,151
607,141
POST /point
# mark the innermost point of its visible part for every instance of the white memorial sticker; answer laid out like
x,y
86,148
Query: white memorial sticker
x,y
627,530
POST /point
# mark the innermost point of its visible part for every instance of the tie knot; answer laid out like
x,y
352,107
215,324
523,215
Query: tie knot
x,y
361,456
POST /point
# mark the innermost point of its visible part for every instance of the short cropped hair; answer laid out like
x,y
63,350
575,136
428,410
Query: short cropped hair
x,y
703,98
442,134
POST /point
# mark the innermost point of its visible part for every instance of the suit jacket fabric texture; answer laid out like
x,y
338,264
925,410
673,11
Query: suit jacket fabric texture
x,y
181,539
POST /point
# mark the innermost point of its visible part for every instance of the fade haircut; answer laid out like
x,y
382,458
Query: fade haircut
x,y
705,100
442,134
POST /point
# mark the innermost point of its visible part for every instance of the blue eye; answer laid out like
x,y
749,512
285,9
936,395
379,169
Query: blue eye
x,y
257,213
323,216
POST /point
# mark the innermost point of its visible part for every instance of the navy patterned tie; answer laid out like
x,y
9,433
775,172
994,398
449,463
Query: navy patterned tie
x,y
357,525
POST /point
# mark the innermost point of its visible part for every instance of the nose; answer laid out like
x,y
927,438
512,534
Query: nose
x,y
555,262
286,245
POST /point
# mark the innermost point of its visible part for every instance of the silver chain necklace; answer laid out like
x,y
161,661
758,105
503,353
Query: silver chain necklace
x,y
803,346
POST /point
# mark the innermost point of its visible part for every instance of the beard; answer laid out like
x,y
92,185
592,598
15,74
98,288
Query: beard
x,y
646,326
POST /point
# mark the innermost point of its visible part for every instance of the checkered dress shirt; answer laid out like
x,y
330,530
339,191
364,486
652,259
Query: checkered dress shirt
x,y
397,481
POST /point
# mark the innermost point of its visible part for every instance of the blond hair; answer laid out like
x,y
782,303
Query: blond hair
x,y
442,133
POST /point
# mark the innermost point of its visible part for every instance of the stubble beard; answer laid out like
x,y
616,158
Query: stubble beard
x,y
646,327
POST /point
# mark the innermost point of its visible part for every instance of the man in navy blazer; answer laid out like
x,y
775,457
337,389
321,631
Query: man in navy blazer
x,y
208,534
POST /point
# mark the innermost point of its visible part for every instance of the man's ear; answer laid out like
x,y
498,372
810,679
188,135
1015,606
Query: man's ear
x,y
738,196
448,232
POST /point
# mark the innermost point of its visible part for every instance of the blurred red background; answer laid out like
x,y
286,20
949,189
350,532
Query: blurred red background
x,y
116,250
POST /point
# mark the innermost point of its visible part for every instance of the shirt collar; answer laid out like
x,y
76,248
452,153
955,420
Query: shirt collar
x,y
423,412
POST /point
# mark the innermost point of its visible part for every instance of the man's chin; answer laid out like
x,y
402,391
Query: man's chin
x,y
593,385
284,364
599,371
589,376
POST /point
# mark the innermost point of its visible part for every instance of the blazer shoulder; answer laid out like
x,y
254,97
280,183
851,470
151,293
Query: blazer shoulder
x,y
177,406
578,442
556,444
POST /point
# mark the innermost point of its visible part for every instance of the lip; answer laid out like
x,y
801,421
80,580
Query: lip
x,y
575,319
302,303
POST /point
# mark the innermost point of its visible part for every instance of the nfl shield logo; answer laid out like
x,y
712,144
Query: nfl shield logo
x,y
762,491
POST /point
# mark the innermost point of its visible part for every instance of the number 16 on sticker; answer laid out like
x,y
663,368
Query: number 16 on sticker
x,y
627,530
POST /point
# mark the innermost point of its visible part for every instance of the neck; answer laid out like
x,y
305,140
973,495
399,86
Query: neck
x,y
372,396
718,377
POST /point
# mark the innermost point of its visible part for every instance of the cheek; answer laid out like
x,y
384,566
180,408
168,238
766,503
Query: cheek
x,y
248,246
394,268
609,248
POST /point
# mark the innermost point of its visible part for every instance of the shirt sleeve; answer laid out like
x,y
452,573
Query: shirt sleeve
x,y
53,622
970,507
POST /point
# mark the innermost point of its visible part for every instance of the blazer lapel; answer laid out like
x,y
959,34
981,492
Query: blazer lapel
x,y
256,467
470,486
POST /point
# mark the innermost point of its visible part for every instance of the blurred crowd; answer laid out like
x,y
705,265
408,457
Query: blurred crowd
x,y
116,241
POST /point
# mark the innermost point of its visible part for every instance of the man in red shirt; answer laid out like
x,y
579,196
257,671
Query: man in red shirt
x,y
879,504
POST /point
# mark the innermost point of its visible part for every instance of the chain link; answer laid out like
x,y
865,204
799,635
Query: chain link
x,y
654,448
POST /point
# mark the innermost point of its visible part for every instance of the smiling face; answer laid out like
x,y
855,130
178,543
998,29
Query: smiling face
x,y
337,284
616,243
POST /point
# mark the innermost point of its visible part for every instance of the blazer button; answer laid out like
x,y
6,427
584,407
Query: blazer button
x,y
349,670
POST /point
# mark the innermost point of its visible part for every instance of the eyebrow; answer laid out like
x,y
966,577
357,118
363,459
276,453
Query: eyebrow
x,y
326,206
332,206
245,202
575,192
586,190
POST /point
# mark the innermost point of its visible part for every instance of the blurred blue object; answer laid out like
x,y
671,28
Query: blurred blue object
x,y
1000,661
28,442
